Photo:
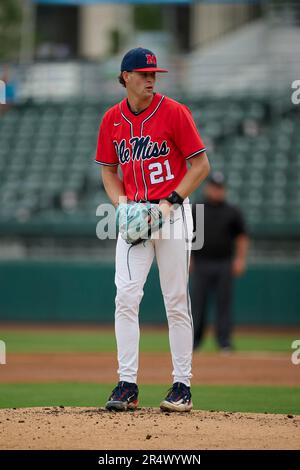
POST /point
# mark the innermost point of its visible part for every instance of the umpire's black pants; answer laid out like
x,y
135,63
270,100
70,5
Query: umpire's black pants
x,y
212,277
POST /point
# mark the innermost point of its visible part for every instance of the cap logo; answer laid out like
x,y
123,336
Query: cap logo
x,y
151,59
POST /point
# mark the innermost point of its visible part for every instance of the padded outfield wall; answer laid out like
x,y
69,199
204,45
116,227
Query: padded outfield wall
x,y
57,291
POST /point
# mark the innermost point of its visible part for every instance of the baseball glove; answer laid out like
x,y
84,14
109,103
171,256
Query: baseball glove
x,y
138,220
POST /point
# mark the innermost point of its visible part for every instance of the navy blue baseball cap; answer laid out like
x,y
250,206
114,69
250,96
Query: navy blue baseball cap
x,y
140,60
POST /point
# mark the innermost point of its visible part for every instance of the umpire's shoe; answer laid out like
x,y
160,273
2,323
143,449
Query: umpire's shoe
x,y
179,398
123,397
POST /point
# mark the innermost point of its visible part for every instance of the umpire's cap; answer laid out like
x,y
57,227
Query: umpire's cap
x,y
140,60
217,178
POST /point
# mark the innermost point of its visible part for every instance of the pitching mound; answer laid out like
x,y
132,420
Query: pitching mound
x,y
147,428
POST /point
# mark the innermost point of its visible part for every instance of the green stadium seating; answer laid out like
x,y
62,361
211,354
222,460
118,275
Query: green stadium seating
x,y
48,149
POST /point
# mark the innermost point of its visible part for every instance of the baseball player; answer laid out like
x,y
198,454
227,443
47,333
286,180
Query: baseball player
x,y
152,138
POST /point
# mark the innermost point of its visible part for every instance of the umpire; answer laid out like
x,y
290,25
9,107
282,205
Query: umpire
x,y
222,257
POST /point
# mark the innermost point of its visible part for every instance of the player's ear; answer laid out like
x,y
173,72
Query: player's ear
x,y
126,76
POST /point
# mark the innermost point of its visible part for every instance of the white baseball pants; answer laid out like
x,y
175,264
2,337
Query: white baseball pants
x,y
171,246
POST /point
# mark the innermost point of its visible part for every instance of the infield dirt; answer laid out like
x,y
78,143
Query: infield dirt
x,y
147,428
235,369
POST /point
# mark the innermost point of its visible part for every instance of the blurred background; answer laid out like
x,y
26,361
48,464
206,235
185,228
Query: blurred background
x,y
232,62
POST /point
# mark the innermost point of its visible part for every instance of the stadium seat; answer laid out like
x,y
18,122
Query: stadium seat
x,y
47,149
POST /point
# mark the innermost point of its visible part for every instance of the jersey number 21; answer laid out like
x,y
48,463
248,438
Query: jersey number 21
x,y
159,174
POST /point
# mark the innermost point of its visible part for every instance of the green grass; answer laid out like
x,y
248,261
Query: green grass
x,y
284,400
104,341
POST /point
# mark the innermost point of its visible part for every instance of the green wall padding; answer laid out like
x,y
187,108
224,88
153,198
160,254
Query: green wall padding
x,y
57,291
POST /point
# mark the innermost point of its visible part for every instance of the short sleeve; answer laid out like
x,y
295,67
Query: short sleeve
x,y
105,152
186,135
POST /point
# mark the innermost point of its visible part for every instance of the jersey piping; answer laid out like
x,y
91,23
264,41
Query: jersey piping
x,y
196,153
133,161
142,162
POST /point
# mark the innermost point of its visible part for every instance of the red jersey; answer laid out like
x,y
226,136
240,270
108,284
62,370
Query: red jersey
x,y
151,147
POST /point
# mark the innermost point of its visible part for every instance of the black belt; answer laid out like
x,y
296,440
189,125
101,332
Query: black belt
x,y
152,201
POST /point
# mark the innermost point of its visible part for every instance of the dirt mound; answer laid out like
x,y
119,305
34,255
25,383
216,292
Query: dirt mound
x,y
146,428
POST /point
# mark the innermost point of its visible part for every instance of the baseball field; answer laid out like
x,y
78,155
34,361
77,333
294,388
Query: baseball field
x,y
56,381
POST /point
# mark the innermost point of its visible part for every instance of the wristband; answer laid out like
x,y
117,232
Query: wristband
x,y
175,198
